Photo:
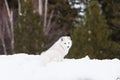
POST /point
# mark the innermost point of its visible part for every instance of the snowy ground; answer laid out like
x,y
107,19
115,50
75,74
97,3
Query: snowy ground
x,y
28,67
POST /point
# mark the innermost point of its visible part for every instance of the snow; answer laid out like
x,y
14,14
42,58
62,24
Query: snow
x,y
29,67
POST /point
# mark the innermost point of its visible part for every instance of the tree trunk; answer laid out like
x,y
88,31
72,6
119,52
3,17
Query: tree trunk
x,y
6,29
19,7
40,7
45,16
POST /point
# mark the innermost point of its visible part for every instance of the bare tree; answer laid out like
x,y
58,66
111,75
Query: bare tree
x,y
19,7
2,40
10,30
40,7
5,41
49,22
45,16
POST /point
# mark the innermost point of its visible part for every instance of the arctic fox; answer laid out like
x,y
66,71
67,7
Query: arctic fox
x,y
58,51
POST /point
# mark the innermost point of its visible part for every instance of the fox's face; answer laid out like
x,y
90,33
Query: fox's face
x,y
66,43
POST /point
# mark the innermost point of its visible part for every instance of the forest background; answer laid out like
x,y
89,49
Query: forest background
x,y
32,26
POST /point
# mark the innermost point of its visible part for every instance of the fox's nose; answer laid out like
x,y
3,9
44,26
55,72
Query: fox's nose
x,y
67,46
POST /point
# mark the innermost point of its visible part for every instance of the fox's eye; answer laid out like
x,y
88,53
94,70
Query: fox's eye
x,y
64,43
68,42
62,39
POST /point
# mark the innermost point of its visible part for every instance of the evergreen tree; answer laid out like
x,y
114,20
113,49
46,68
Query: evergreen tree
x,y
64,17
29,35
111,11
92,36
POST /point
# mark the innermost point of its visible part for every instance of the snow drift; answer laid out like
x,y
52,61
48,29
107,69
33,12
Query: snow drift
x,y
28,67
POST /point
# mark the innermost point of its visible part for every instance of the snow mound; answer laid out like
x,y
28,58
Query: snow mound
x,y
28,67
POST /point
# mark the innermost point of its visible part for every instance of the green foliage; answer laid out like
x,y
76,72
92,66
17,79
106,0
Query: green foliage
x,y
29,36
92,36
111,11
28,32
64,15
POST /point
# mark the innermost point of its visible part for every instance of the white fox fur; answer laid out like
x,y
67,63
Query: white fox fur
x,y
58,51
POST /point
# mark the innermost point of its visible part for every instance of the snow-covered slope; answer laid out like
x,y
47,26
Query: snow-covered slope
x,y
29,67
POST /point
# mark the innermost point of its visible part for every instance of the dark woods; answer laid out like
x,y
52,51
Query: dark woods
x,y
6,29
31,26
